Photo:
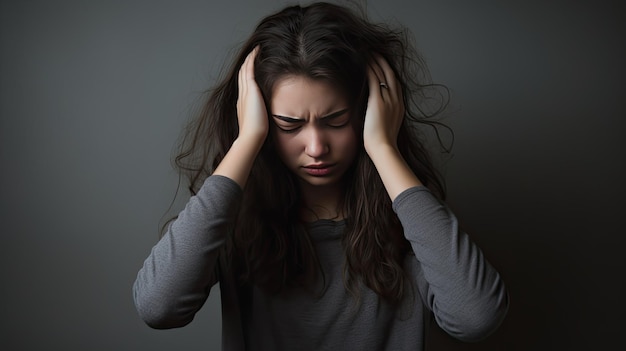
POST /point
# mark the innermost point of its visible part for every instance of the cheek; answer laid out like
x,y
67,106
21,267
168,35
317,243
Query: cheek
x,y
348,142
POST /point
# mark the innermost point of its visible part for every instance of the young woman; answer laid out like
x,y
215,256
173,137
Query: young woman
x,y
315,205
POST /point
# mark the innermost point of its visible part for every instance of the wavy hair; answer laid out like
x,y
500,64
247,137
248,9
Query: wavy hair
x,y
328,42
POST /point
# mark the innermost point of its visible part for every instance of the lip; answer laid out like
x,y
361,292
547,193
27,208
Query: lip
x,y
318,170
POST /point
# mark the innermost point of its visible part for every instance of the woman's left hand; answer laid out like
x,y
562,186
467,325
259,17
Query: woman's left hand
x,y
385,106
383,118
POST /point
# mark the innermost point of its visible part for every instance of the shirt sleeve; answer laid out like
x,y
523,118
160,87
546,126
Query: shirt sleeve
x,y
466,294
177,276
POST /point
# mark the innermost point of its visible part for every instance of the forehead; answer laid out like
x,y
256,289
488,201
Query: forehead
x,y
299,96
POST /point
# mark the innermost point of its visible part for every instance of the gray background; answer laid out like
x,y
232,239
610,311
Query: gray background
x,y
93,95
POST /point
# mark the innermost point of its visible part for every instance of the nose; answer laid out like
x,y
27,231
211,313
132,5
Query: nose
x,y
316,144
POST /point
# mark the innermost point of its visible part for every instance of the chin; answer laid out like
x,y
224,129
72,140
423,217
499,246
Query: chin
x,y
320,181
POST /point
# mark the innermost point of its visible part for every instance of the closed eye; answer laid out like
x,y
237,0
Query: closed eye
x,y
338,119
287,124
289,129
338,125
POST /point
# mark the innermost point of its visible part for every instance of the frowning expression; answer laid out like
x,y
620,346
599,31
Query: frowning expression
x,y
313,129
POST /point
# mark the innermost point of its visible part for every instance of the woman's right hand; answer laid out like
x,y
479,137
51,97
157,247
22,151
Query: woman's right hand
x,y
251,110
253,126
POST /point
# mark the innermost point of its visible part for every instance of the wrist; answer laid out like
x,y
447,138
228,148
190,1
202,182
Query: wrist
x,y
238,161
395,173
252,140
381,151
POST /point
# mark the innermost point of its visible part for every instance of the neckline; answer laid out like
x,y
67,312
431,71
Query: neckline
x,y
326,221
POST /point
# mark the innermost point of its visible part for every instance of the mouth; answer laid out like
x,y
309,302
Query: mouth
x,y
318,170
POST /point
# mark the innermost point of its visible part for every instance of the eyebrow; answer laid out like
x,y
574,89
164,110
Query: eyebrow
x,y
298,120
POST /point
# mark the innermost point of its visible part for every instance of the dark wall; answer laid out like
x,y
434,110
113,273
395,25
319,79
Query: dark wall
x,y
93,96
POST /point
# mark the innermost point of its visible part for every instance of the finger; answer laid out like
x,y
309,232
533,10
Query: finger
x,y
373,79
377,81
394,86
378,71
249,63
388,84
380,76
387,73
241,78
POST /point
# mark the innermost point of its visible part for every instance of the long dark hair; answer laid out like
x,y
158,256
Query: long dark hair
x,y
333,43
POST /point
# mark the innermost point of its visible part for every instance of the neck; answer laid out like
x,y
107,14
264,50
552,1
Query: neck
x,y
321,202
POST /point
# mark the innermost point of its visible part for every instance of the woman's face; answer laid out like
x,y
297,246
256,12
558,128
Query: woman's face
x,y
313,129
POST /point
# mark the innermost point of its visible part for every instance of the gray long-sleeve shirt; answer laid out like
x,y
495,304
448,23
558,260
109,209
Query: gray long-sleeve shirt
x,y
450,279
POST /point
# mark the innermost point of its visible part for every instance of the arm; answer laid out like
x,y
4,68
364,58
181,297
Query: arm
x,y
176,278
465,293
